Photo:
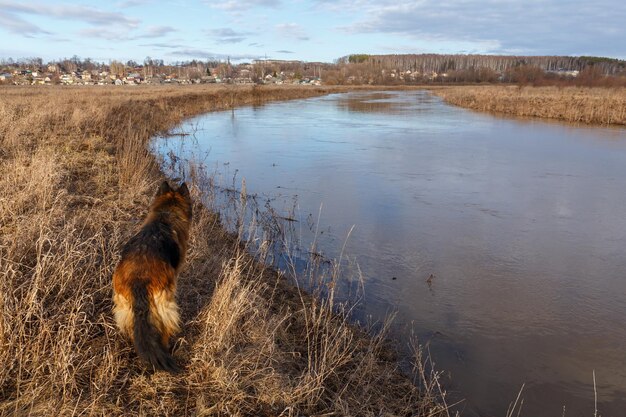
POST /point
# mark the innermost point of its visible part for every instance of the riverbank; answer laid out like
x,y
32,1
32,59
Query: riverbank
x,y
77,180
603,106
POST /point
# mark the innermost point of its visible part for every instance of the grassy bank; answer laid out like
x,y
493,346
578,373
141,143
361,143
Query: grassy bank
x,y
76,181
585,105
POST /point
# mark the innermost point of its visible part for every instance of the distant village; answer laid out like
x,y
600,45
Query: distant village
x,y
352,69
79,72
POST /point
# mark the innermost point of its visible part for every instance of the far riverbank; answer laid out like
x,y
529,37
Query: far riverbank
x,y
603,106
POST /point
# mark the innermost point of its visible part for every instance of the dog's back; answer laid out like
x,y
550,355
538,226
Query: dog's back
x,y
144,281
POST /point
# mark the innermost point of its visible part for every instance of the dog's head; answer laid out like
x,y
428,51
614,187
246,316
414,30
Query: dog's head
x,y
174,199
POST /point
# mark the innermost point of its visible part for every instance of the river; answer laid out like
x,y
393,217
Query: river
x,y
499,242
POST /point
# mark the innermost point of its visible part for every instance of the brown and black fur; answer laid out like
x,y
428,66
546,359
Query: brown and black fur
x,y
144,281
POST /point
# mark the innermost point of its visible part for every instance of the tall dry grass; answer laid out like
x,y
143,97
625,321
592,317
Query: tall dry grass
x,y
573,104
76,181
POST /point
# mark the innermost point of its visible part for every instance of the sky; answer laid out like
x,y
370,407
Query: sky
x,y
313,30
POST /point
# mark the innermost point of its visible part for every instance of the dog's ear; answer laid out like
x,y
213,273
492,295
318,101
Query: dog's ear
x,y
164,188
183,190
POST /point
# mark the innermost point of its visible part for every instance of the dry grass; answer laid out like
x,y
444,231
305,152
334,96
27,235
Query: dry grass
x,y
76,181
573,104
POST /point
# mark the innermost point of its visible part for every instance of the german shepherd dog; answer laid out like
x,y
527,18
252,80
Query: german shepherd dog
x,y
144,281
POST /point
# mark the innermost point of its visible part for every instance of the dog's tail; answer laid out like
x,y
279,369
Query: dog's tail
x,y
145,334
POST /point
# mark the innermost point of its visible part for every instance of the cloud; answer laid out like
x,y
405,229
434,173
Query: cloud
x,y
131,3
282,51
70,12
292,30
228,35
237,6
157,31
162,45
529,27
201,54
115,34
348,6
15,24
57,39
103,33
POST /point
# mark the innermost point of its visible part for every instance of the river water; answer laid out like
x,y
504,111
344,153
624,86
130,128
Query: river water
x,y
501,243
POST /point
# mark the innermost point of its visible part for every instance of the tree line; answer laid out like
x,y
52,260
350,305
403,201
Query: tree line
x,y
436,68
500,63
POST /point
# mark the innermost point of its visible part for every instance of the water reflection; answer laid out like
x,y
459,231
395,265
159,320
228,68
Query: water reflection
x,y
388,103
375,103
501,243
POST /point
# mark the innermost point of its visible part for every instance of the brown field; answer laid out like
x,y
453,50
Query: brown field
x,y
76,181
573,104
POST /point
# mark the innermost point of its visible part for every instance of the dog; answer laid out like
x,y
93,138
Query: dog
x,y
144,281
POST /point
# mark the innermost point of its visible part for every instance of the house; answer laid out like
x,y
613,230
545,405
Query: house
x,y
565,73
67,79
243,80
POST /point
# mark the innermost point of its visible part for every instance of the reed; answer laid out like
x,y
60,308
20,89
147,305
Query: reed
x,y
605,106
